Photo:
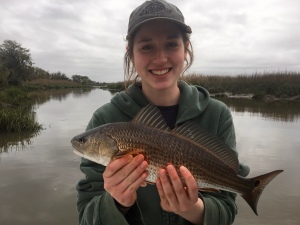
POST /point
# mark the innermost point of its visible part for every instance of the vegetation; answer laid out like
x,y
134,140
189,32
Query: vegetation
x,y
16,68
281,84
15,63
115,86
16,114
17,77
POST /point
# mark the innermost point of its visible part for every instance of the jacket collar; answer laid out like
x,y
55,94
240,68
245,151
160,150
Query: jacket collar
x,y
193,101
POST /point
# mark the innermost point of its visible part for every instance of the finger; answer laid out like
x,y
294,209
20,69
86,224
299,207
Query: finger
x,y
130,175
138,166
117,178
131,189
175,180
128,197
160,190
124,191
179,189
167,188
163,200
116,165
191,184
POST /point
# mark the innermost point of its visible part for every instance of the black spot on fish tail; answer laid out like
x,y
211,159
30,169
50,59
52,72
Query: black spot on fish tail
x,y
259,183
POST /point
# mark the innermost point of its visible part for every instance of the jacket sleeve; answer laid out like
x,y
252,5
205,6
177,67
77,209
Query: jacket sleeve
x,y
96,206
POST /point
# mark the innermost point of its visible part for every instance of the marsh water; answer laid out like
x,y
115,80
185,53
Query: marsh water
x,y
37,179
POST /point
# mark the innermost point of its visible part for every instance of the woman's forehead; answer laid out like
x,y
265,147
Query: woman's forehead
x,y
157,28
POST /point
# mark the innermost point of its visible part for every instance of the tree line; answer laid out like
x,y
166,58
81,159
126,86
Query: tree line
x,y
16,67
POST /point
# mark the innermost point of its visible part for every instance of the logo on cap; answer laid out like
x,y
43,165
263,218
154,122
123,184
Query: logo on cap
x,y
155,8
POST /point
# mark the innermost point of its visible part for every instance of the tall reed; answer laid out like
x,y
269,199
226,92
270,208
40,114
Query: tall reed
x,y
280,84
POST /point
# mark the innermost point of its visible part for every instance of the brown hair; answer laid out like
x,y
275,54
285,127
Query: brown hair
x,y
129,70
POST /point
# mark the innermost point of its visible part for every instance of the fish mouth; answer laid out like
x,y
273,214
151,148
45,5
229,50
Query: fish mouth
x,y
78,153
77,142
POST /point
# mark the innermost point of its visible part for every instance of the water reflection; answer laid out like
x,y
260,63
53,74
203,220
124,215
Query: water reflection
x,y
40,97
38,185
287,111
16,141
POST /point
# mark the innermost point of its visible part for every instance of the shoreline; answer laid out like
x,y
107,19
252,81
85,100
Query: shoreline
x,y
266,98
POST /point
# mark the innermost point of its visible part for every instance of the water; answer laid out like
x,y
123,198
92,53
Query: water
x,y
37,182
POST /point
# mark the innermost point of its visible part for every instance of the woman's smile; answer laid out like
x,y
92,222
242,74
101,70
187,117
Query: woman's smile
x,y
160,72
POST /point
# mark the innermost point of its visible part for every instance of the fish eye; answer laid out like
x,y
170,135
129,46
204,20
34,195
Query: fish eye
x,y
82,140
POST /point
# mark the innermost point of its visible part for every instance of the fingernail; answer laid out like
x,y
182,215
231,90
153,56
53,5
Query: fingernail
x,y
139,158
144,165
161,172
182,169
130,157
170,167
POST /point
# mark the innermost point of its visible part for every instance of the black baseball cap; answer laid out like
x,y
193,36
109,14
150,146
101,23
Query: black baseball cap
x,y
155,9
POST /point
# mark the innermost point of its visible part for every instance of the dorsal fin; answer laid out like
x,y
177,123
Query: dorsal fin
x,y
151,116
209,141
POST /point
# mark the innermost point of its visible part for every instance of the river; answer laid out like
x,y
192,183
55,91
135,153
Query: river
x,y
37,181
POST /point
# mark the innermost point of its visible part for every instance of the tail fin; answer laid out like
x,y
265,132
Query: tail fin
x,y
259,183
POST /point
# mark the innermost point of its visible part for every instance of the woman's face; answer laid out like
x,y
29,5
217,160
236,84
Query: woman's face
x,y
158,55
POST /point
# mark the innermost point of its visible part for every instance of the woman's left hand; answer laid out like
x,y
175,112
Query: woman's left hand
x,y
178,196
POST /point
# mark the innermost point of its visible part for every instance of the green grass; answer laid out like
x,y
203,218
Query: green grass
x,y
281,84
18,120
16,111
46,84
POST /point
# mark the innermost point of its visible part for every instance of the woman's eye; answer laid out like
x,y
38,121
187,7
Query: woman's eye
x,y
146,47
172,44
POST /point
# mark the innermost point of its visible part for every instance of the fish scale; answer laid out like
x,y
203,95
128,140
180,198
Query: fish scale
x,y
213,164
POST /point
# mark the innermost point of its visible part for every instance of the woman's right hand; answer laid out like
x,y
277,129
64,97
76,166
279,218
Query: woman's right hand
x,y
123,176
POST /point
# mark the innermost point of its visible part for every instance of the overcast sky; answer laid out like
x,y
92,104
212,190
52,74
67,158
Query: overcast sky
x,y
86,37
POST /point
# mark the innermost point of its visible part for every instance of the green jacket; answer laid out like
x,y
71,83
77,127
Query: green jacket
x,y
97,207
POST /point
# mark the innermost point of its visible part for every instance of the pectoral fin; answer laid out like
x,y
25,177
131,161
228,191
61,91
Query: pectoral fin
x,y
133,152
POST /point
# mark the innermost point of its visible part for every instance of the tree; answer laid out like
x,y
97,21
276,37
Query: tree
x,y
4,72
58,76
81,79
15,61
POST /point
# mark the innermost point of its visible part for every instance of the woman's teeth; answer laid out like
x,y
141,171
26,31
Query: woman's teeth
x,y
160,72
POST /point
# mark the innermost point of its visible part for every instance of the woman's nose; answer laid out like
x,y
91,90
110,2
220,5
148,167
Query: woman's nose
x,y
160,57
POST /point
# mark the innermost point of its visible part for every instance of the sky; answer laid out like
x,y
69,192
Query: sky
x,y
88,37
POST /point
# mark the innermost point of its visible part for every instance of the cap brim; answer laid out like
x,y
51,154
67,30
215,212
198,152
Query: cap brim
x,y
185,27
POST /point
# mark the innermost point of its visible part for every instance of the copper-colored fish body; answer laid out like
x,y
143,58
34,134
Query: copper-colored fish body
x,y
213,164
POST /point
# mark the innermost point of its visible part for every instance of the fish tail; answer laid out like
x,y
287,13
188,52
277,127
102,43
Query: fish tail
x,y
259,183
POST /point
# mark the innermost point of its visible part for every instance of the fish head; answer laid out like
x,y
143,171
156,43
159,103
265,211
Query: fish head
x,y
95,145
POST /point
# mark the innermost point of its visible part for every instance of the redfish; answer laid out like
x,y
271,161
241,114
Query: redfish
x,y
213,164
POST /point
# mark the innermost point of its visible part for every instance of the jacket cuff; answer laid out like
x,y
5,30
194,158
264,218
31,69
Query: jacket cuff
x,y
109,213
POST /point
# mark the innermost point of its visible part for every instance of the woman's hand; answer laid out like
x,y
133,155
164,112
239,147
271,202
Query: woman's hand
x,y
177,197
123,176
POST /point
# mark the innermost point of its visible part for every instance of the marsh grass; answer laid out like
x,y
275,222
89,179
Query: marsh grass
x,y
46,84
16,111
280,84
18,119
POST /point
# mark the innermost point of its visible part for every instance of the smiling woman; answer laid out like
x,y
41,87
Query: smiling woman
x,y
158,53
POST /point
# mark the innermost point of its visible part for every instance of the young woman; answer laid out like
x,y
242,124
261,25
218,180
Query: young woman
x,y
158,52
